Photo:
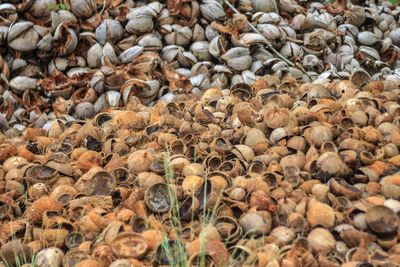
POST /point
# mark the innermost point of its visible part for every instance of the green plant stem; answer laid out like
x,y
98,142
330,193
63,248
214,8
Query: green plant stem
x,y
176,225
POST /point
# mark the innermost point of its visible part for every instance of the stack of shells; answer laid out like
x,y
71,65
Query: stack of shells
x,y
264,166
248,171
72,62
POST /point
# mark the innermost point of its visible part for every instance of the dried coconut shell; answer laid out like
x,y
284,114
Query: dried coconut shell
x,y
130,119
90,263
395,160
178,81
91,202
77,152
89,159
140,161
147,179
129,245
82,183
14,252
64,168
41,205
378,167
103,254
395,138
210,232
261,201
154,238
277,117
101,183
124,215
26,154
191,184
374,87
254,184
140,208
113,230
321,241
193,169
88,129
115,163
319,213
375,200
7,152
10,228
220,181
216,249
394,179
13,163
33,133
56,129
91,225
50,237
308,185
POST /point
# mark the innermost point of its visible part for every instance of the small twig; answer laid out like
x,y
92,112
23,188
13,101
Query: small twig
x,y
269,45
295,40
104,6
4,19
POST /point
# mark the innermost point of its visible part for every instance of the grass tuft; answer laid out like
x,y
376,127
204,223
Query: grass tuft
x,y
175,251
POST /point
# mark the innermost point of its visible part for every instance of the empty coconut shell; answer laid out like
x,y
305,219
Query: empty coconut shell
x,y
74,239
129,245
14,252
49,257
101,183
188,208
89,159
320,214
259,222
228,228
261,201
140,161
73,257
340,187
321,241
382,220
191,184
44,174
122,175
138,223
167,253
157,198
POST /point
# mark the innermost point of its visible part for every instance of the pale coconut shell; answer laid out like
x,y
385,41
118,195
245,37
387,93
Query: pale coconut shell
x,y
191,184
129,245
89,263
13,163
41,205
154,238
129,118
103,254
320,214
395,160
10,228
147,179
140,161
321,241
89,159
15,252
193,169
